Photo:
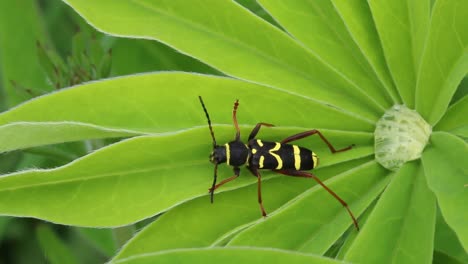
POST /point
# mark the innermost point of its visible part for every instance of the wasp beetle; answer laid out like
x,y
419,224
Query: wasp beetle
x,y
257,154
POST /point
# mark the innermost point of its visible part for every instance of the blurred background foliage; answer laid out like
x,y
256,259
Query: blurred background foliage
x,y
41,42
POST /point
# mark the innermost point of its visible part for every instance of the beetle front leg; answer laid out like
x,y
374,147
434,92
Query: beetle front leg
x,y
236,174
257,128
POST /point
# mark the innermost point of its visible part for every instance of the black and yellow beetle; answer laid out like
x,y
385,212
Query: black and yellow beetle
x,y
280,157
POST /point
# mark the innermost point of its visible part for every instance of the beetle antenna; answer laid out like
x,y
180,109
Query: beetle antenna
x,y
214,182
209,122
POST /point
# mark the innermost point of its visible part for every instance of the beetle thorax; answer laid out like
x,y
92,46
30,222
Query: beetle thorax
x,y
237,153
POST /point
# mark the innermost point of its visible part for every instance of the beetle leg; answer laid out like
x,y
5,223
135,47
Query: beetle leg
x,y
310,175
234,119
313,132
259,188
236,174
215,177
257,128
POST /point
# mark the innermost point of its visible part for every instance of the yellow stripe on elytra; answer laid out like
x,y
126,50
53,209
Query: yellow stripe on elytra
x,y
277,157
315,159
228,153
297,157
259,142
254,151
260,162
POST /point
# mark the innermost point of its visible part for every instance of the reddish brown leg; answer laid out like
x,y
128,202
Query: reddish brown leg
x,y
310,175
215,177
234,118
257,128
259,190
236,172
313,132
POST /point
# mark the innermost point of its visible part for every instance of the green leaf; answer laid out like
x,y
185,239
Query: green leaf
x,y
462,90
351,236
100,238
153,103
445,59
123,234
20,135
461,131
313,221
131,180
442,258
55,250
357,16
446,241
258,51
257,9
401,227
9,161
227,256
402,26
455,119
18,60
131,56
139,177
320,28
209,224
446,169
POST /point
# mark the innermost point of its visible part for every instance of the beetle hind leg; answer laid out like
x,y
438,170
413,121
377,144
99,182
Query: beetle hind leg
x,y
313,132
256,173
310,175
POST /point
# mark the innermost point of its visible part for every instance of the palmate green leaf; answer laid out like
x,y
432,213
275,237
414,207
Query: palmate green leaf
x,y
18,61
313,221
455,119
357,16
130,56
445,59
228,37
257,9
461,91
446,241
402,26
442,258
401,228
198,223
153,103
140,177
9,161
446,169
320,28
20,135
351,236
131,180
227,255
